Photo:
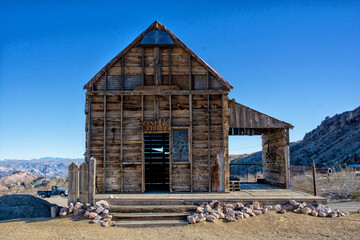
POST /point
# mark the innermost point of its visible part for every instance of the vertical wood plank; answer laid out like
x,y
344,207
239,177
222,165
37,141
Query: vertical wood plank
x,y
92,177
170,67
142,147
143,67
208,147
121,143
157,66
170,145
104,146
89,131
122,74
190,78
73,185
224,144
84,183
190,142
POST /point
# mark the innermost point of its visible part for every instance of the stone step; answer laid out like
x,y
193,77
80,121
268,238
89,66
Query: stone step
x,y
150,223
152,208
135,202
149,216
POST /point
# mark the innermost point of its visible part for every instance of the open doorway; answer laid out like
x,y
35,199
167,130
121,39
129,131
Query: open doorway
x,y
156,162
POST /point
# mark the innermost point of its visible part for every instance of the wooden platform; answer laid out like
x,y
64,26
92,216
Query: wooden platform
x,y
265,194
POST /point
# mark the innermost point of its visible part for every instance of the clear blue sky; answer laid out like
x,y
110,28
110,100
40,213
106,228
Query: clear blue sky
x,y
298,61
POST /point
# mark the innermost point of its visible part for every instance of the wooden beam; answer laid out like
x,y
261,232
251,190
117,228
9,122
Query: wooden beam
x,y
209,146
89,131
170,146
121,143
190,142
170,80
164,92
190,78
143,67
157,66
122,74
142,147
224,145
104,146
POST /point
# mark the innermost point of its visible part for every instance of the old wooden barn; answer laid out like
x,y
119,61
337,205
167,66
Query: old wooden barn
x,y
158,117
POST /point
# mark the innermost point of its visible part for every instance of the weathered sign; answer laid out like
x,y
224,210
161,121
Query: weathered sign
x,y
161,125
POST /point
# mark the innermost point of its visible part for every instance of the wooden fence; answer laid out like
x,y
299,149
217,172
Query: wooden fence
x,y
81,181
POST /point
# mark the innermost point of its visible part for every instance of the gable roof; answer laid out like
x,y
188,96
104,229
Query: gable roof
x,y
157,25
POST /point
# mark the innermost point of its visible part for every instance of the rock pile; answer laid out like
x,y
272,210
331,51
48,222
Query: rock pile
x,y
99,213
211,211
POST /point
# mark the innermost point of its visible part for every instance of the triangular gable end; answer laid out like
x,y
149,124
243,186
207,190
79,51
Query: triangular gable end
x,y
157,25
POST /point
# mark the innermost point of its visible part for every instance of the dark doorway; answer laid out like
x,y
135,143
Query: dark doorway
x,y
156,162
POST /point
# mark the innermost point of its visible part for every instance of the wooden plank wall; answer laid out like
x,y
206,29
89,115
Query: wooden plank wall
x,y
114,122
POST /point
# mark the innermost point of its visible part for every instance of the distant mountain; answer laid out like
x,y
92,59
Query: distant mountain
x,y
19,176
335,142
56,167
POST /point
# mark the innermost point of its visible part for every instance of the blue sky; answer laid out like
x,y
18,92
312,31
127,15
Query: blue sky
x,y
298,61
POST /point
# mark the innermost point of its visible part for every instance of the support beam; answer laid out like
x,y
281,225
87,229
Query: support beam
x,y
88,150
104,146
122,74
157,66
190,72
121,143
190,142
142,147
170,80
170,145
143,67
209,146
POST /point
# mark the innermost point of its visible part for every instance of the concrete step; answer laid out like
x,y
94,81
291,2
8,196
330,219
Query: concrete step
x,y
149,216
150,223
135,202
152,208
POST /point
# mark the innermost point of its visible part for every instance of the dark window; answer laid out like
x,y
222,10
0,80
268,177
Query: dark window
x,y
156,37
180,145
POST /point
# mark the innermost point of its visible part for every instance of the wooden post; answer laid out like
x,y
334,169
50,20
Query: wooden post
x,y
190,142
143,67
92,177
157,66
121,143
209,146
170,146
73,183
287,159
314,178
142,146
84,183
104,144
88,150
122,74
170,66
190,77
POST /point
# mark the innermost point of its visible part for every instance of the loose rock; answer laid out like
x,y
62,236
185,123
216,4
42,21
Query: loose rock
x,y
71,208
63,212
191,219
79,212
306,210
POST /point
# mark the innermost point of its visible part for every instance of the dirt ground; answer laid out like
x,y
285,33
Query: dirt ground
x,y
267,226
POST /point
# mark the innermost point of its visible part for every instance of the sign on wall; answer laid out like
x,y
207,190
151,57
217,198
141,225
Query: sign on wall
x,y
161,125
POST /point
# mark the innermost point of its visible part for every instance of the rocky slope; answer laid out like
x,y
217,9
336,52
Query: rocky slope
x,y
19,176
56,167
335,142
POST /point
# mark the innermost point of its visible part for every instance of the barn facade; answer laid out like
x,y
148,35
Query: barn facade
x,y
158,119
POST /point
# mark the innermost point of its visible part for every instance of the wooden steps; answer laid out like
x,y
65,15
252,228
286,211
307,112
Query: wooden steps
x,y
151,223
149,216
149,212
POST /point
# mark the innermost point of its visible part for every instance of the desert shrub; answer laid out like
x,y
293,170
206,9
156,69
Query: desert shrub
x,y
341,184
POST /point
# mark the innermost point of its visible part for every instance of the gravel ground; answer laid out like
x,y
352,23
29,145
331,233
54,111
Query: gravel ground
x,y
267,226
344,205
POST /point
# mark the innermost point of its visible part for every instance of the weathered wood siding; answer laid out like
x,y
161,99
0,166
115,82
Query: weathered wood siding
x,y
274,144
114,120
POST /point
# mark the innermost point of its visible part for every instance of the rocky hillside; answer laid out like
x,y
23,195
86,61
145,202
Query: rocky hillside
x,y
335,142
19,176
56,167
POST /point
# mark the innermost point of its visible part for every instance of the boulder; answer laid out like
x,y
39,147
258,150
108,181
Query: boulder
x,y
332,214
250,212
298,210
216,215
221,214
257,212
93,215
63,212
105,212
71,208
311,207
200,217
191,219
256,205
91,209
264,210
240,216
104,224
97,217
86,214
214,203
86,205
278,207
306,210
210,218
102,203
78,205
323,214
282,211
239,206
96,221
200,210
99,209
246,215
107,219
294,203
288,207
230,218
79,212
207,208
323,208
314,213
